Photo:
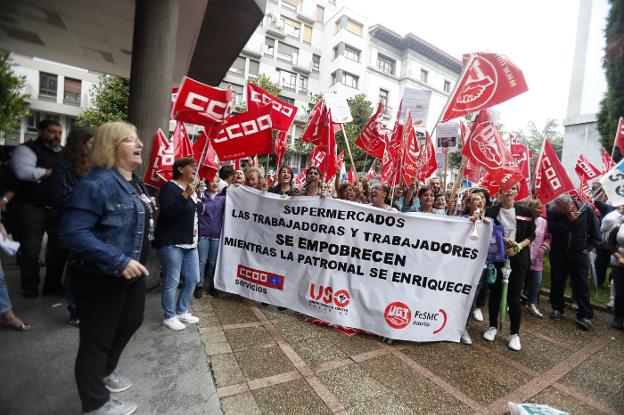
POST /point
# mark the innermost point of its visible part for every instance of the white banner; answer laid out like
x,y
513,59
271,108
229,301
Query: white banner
x,y
337,104
613,184
401,276
446,136
417,101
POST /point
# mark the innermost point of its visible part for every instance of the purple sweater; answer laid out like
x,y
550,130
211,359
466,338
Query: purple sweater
x,y
211,219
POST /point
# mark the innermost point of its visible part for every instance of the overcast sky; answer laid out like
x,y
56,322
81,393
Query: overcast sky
x,y
537,35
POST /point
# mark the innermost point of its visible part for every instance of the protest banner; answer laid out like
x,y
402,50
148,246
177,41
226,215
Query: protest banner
x,y
613,184
337,104
416,102
446,136
388,273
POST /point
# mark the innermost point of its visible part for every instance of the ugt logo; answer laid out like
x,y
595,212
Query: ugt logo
x,y
397,315
485,146
480,85
340,298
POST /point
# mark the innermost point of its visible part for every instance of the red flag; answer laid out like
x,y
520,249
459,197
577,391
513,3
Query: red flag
x,y
489,184
181,144
486,148
619,135
371,172
426,162
488,80
282,113
301,178
584,195
517,149
464,131
316,157
352,176
389,166
410,155
281,142
585,170
373,137
607,162
320,117
473,173
254,162
161,161
202,104
551,179
244,135
211,163
523,164
340,161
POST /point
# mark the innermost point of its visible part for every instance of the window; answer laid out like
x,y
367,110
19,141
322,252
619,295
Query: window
x,y
288,80
307,34
239,66
71,92
254,68
385,64
290,5
269,46
350,80
447,86
237,92
352,53
383,98
287,53
48,85
320,14
354,27
424,75
291,27
303,84
287,100
316,63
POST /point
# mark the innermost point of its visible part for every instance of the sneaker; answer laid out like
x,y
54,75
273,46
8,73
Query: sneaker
x,y
173,323
610,304
73,321
584,323
555,315
198,292
533,310
114,407
116,383
188,318
465,337
490,334
514,342
477,315
618,323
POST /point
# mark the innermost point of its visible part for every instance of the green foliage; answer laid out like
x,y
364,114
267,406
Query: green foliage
x,y
361,111
264,82
13,104
534,137
612,105
109,98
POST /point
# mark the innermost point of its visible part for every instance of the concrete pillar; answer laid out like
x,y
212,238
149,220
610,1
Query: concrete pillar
x,y
575,98
151,73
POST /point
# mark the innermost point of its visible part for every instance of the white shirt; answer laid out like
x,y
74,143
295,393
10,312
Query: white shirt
x,y
507,218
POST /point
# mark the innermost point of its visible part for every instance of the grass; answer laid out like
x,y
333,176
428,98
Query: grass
x,y
599,297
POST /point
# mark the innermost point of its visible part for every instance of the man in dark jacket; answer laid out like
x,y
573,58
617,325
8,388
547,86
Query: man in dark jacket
x,y
574,232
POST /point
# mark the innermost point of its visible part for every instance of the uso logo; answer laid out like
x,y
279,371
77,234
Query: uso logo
x,y
397,315
326,295
259,277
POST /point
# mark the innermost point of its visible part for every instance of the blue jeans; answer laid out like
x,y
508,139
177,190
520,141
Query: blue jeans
x,y
207,249
5,302
534,279
175,262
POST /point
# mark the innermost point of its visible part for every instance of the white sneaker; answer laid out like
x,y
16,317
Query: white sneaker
x,y
490,334
173,323
465,337
533,310
188,318
514,342
610,304
477,315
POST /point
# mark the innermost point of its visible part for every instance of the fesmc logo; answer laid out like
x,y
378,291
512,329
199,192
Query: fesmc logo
x,y
399,316
258,280
480,85
326,298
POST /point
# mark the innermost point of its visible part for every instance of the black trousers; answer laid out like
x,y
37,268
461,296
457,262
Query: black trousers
x,y
110,313
32,222
574,264
519,267
603,257
618,301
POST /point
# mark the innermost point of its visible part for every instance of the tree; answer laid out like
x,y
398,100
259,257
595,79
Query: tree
x,y
612,105
361,111
109,98
13,103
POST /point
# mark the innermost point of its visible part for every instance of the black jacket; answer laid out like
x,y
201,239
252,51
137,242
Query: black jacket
x,y
525,225
575,236
176,218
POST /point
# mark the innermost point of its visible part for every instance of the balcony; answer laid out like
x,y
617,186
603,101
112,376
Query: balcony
x,y
304,67
255,46
306,14
275,27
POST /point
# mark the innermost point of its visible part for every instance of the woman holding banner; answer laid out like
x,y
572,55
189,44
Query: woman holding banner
x,y
519,232
284,182
346,191
481,298
426,197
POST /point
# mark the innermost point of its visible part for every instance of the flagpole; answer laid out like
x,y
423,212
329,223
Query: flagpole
x,y
344,134
537,163
460,177
617,131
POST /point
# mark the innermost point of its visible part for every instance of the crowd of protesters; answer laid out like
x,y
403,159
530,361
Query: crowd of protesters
x,y
100,221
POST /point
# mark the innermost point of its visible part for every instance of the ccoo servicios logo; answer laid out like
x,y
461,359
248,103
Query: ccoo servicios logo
x,y
258,280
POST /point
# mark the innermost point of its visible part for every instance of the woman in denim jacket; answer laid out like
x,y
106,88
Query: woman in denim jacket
x,y
106,227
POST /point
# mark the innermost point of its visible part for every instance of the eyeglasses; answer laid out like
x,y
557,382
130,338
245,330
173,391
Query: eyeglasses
x,y
132,140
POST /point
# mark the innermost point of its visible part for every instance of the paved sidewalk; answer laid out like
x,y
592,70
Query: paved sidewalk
x,y
266,361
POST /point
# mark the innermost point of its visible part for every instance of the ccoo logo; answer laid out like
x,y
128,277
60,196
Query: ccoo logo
x,y
397,315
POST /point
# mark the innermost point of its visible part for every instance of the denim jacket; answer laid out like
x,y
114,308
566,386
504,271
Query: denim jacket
x,y
103,222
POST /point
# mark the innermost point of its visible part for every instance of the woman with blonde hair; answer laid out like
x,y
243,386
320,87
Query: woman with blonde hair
x,y
255,179
107,225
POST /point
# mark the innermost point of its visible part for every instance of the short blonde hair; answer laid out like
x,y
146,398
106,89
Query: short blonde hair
x,y
107,137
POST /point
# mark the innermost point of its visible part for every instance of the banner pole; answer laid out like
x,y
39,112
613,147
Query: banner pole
x,y
344,134
617,130
460,177
445,151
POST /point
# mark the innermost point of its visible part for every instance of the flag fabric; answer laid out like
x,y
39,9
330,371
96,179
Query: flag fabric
x,y
320,118
181,143
585,170
281,143
390,172
352,176
426,162
316,157
409,152
607,162
619,135
487,80
373,137
485,148
245,135
301,178
551,179
463,131
584,195
371,172
473,172
282,113
211,164
486,182
524,190
160,166
202,104
613,184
